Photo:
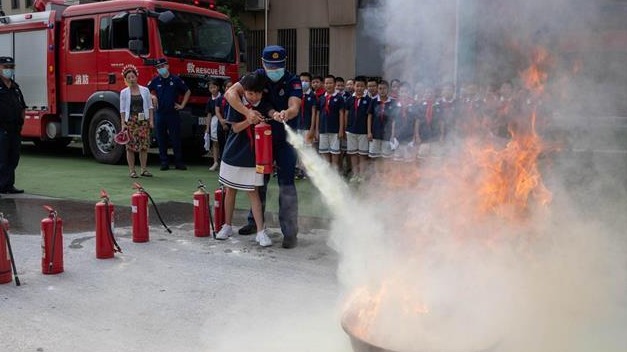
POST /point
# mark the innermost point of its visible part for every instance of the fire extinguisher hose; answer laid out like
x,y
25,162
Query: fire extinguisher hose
x,y
201,186
157,211
6,236
54,239
112,240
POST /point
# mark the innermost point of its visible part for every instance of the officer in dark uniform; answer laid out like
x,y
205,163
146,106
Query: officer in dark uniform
x,y
12,110
167,87
284,92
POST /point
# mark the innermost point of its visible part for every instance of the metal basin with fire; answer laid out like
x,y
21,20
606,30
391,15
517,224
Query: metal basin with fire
x,y
350,323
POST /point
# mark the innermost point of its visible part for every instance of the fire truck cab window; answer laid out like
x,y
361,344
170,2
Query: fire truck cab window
x,y
82,35
114,34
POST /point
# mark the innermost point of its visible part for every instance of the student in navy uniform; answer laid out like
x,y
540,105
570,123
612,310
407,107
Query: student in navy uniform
x,y
167,88
222,112
13,109
405,125
330,122
380,115
213,122
431,127
305,126
350,88
446,104
284,92
237,170
357,129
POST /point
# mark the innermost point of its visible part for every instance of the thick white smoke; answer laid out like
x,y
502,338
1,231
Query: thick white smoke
x,y
451,278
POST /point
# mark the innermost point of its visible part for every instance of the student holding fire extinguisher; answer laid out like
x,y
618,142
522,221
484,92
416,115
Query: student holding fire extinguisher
x,y
237,169
284,92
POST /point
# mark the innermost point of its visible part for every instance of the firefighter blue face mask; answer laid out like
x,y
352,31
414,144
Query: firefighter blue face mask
x,y
305,85
7,73
276,74
162,71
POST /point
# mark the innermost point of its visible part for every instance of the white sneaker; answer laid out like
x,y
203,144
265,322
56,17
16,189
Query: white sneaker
x,y
225,232
263,239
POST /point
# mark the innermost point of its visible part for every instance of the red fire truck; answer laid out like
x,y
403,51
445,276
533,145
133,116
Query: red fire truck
x,y
69,60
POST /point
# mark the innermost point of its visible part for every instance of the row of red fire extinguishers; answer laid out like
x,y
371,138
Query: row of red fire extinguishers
x,y
106,245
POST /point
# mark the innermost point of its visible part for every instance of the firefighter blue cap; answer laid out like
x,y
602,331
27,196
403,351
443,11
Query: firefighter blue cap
x,y
161,61
273,56
7,61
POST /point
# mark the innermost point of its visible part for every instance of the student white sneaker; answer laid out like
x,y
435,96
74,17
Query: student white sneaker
x,y
263,239
225,232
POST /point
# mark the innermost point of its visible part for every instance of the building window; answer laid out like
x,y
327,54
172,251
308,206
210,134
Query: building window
x,y
319,51
287,39
29,3
15,4
254,45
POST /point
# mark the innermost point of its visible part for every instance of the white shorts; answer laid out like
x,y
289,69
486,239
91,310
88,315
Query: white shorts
x,y
356,143
379,148
214,128
405,153
241,178
329,143
303,133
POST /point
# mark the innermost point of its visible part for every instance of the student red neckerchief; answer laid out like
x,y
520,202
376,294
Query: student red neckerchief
x,y
327,99
405,103
382,110
429,112
249,131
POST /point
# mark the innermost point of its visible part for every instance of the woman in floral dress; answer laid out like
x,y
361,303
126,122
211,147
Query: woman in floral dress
x,y
136,112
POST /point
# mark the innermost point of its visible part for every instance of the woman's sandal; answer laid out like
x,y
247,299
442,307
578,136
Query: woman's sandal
x,y
133,174
146,173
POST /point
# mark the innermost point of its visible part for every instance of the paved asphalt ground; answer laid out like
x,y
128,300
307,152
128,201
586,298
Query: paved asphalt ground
x,y
175,293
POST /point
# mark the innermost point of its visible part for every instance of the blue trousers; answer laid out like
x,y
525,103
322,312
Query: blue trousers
x,y
285,158
168,128
10,143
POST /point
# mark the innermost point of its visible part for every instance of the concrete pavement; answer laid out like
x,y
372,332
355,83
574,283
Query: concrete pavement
x,y
175,293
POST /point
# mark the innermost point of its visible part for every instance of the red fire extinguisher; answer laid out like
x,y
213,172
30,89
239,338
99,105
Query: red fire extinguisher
x,y
263,148
139,209
218,206
51,242
202,212
6,254
106,245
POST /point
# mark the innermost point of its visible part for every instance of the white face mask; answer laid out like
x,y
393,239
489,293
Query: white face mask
x,y
305,86
8,73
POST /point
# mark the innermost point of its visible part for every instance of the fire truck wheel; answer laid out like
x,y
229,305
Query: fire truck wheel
x,y
102,128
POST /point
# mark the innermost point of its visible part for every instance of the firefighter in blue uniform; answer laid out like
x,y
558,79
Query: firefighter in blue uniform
x,y
12,110
284,93
167,88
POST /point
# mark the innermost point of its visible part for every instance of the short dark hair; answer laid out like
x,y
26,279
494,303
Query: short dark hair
x,y
305,74
339,79
361,79
318,77
329,76
253,82
384,83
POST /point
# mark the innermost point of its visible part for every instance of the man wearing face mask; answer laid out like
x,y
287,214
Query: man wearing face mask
x,y
12,110
167,88
284,92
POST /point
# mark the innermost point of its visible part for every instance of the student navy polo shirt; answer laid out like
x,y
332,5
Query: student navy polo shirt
x,y
357,114
330,115
304,116
239,149
167,89
278,95
382,115
405,121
